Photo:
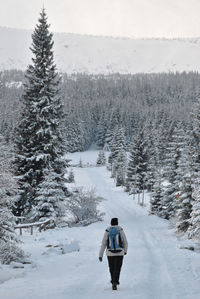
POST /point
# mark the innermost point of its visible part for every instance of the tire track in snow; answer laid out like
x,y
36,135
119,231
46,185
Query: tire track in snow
x,y
159,274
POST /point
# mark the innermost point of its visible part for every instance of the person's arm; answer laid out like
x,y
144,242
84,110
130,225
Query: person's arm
x,y
103,245
125,242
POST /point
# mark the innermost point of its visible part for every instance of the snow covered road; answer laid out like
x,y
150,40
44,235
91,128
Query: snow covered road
x,y
154,268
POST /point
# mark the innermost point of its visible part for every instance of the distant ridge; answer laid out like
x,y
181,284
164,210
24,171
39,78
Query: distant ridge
x,y
98,54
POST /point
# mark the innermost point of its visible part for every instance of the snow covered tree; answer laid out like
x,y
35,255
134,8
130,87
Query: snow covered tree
x,y
49,199
9,242
101,132
157,185
151,145
39,141
115,121
74,135
70,178
131,170
80,164
164,129
118,143
156,196
184,198
194,141
120,165
194,146
172,174
194,228
101,159
184,204
137,165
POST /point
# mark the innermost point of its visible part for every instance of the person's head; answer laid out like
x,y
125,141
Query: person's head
x,y
114,221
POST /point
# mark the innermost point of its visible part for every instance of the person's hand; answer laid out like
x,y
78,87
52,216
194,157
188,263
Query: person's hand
x,y
100,259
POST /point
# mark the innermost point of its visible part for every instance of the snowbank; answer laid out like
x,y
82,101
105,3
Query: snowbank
x,y
62,248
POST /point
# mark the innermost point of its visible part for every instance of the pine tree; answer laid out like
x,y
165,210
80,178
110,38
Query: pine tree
x,y
70,178
120,165
101,159
157,191
115,121
184,204
39,141
101,132
118,143
151,145
194,146
184,198
80,164
74,135
194,141
9,242
137,165
171,173
194,228
49,199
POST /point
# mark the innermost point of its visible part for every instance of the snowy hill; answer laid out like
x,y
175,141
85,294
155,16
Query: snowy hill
x,y
92,54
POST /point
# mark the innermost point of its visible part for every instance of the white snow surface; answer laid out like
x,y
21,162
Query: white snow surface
x,y
103,55
154,268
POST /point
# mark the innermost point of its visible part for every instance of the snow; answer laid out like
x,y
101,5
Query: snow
x,y
31,224
13,84
92,54
62,248
156,266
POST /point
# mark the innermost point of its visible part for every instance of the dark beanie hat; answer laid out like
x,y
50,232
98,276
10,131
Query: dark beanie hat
x,y
114,221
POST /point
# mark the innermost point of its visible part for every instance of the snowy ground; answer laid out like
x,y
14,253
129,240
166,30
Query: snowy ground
x,y
154,268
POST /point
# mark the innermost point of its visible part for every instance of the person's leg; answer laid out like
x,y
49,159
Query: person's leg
x,y
111,263
117,268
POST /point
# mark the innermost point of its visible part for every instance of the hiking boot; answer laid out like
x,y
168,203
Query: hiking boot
x,y
114,287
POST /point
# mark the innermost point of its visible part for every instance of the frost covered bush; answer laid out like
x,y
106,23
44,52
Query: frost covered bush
x,y
83,205
10,252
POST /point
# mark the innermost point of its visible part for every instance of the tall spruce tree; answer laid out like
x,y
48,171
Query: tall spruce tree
x,y
157,190
194,227
171,173
185,196
118,142
39,142
115,121
137,165
120,167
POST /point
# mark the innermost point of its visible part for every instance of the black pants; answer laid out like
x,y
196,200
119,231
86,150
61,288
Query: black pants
x,y
115,264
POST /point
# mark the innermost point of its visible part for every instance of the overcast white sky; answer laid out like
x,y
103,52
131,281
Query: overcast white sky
x,y
131,18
